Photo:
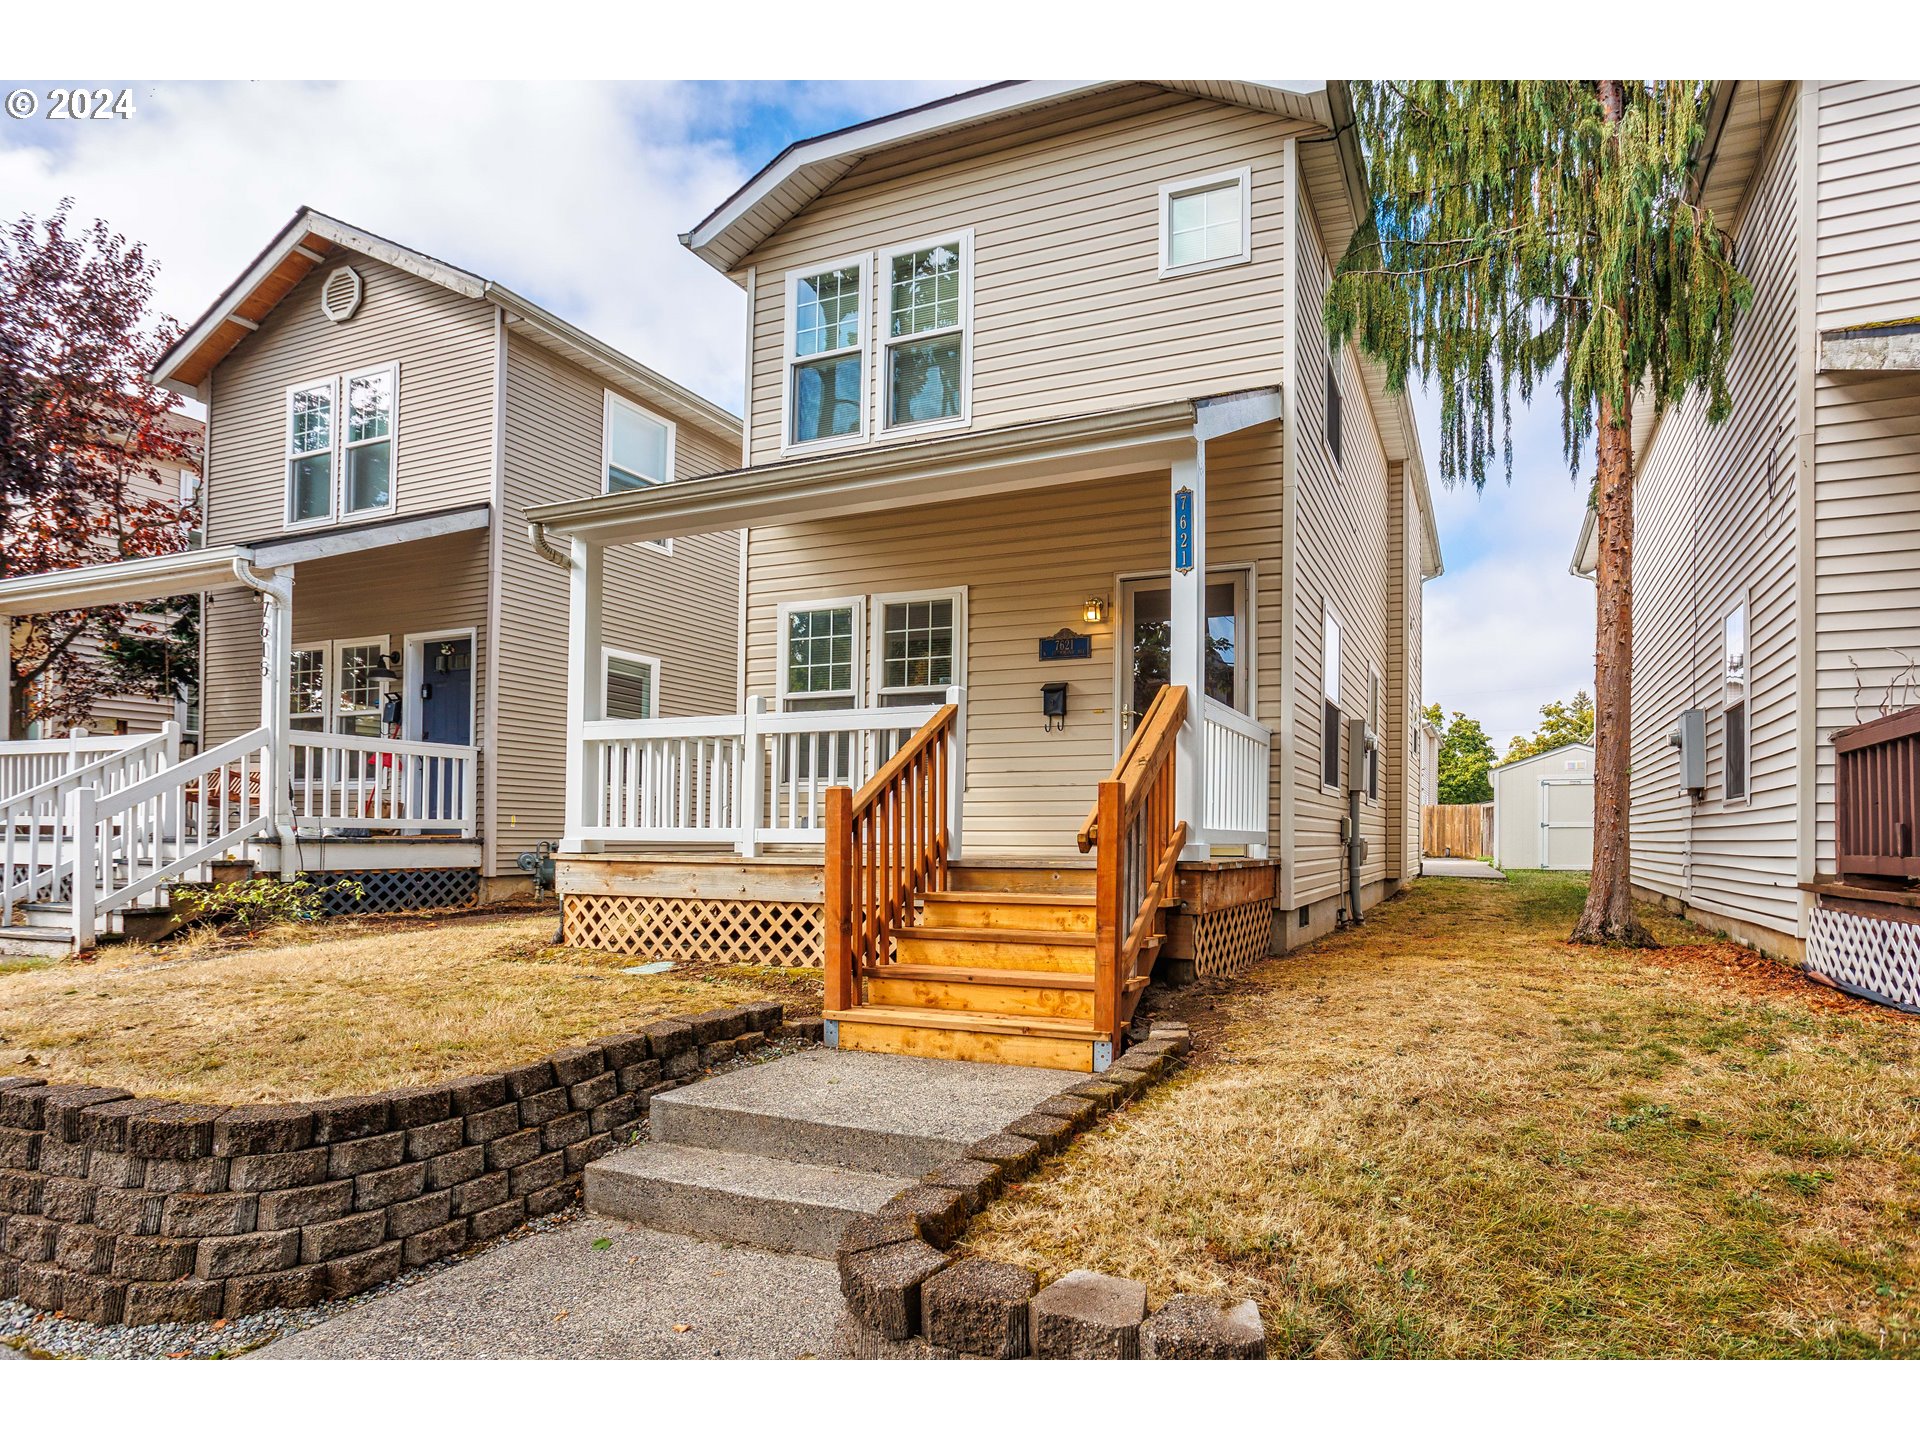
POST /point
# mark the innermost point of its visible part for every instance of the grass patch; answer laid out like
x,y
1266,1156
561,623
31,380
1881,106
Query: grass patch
x,y
302,1012
1450,1134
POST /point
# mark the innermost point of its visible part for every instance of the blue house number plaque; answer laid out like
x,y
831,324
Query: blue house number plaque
x,y
1183,530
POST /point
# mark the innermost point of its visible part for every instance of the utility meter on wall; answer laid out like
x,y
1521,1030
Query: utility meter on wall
x,y
1362,746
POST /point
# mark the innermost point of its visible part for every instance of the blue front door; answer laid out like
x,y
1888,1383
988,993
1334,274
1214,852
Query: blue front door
x,y
446,692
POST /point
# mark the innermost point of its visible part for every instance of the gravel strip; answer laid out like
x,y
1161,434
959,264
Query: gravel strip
x,y
41,1336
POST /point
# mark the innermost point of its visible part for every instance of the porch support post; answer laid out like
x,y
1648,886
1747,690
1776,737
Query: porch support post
x,y
586,686
1186,662
276,707
6,681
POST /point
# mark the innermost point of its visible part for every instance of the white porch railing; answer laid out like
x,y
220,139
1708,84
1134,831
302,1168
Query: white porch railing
x,y
35,829
1233,784
746,780
363,782
28,764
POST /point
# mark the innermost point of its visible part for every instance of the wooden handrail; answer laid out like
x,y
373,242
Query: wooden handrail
x,y
885,847
1139,836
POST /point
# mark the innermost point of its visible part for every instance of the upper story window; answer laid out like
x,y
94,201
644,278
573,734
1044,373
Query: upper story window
x,y
826,354
1205,222
337,470
929,300
1734,756
638,446
1330,698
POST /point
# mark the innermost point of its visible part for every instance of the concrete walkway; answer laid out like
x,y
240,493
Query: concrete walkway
x,y
553,1296
1460,869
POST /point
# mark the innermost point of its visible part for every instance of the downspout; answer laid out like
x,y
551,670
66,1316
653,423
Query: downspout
x,y
1356,849
545,548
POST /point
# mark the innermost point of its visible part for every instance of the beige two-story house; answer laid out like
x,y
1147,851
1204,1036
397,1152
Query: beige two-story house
x,y
384,657
1054,495
1777,555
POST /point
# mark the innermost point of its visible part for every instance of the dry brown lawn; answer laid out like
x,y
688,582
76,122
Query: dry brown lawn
x,y
341,1008
1450,1134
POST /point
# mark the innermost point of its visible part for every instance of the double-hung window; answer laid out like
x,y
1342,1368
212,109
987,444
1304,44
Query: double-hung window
x,y
916,647
1330,699
826,354
1334,407
310,452
820,663
1735,647
1205,223
638,446
925,366
1375,722
341,433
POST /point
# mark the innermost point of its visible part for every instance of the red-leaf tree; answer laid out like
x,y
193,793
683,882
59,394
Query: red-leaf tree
x,y
86,444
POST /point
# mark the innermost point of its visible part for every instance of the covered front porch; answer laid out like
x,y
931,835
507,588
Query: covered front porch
x,y
993,616
96,827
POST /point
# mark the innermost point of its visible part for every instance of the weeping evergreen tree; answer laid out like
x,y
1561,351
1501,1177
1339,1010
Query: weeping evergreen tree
x,y
1533,232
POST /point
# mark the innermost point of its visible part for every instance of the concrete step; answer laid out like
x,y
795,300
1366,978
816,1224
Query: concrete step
x,y
722,1195
876,1113
43,942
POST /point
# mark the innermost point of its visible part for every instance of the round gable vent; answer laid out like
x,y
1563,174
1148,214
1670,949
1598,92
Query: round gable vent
x,y
340,294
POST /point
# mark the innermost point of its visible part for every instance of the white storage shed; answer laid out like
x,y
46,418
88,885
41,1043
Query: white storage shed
x,y
1543,810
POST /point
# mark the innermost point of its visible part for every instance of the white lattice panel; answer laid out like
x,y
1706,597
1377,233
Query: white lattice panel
x,y
1878,958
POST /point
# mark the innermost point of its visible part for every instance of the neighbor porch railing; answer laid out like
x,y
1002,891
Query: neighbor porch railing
x,y
27,764
1137,836
749,780
364,782
1876,796
887,845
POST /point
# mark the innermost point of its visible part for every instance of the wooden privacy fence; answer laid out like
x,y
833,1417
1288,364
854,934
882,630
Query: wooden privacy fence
x,y
1456,830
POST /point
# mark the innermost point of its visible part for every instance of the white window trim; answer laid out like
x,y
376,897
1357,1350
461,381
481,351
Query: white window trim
x,y
610,653
609,399
863,349
1733,691
856,603
882,342
392,371
1186,186
1376,794
876,631
1330,611
413,670
330,674
331,384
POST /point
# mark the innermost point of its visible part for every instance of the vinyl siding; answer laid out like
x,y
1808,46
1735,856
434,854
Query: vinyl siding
x,y
1341,554
443,344
1029,561
1069,314
1715,514
1869,203
681,608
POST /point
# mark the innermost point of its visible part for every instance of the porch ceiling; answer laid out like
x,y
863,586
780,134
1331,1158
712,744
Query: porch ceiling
x,y
851,482
218,567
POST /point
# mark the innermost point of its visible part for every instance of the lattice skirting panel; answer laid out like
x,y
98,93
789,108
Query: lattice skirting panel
x,y
1870,956
787,933
1227,941
387,891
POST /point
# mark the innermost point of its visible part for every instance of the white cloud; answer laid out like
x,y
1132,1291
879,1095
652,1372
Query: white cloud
x,y
572,194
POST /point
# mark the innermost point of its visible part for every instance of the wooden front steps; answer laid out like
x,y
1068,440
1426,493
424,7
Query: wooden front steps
x,y
1004,976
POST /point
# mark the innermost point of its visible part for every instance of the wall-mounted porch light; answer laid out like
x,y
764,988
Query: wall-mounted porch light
x,y
384,669
1095,610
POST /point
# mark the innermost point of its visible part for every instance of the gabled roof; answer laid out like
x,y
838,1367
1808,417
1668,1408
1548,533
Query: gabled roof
x,y
312,239
804,171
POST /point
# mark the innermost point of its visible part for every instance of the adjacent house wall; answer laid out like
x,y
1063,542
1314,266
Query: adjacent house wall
x,y
443,343
681,609
1866,542
1715,514
1069,313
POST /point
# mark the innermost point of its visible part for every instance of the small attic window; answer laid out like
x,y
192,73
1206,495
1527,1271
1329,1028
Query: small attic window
x,y
340,294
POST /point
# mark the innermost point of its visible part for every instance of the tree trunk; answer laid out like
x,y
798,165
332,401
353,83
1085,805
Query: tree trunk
x,y
1608,916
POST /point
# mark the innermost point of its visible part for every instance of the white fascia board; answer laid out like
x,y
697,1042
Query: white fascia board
x,y
154,577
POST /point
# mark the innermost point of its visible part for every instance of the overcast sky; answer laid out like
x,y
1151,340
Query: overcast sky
x,y
574,194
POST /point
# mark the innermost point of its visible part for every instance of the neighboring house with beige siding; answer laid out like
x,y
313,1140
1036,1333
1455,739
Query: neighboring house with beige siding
x,y
1777,555
379,425
1041,418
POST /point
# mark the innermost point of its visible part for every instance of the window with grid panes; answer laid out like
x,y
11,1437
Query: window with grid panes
x,y
916,651
926,334
826,380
